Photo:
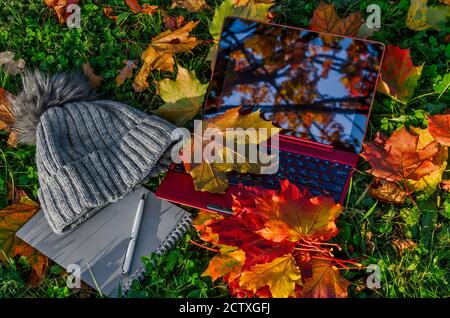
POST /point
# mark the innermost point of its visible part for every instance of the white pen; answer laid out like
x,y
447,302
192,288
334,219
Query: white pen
x,y
133,237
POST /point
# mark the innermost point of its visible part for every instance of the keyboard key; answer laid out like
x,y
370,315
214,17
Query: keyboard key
x,y
308,182
314,174
311,165
303,172
326,178
338,172
332,187
338,180
322,168
315,192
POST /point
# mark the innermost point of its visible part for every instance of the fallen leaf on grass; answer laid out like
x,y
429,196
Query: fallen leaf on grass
x,y
149,9
126,72
60,7
387,191
172,23
159,54
396,158
95,80
183,97
429,182
228,263
403,245
10,65
191,5
325,19
399,77
108,12
325,283
12,218
439,127
211,176
420,17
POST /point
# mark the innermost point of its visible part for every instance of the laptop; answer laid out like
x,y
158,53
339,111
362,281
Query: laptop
x,y
317,87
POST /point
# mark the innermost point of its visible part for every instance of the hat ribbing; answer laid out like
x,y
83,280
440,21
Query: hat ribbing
x,y
91,153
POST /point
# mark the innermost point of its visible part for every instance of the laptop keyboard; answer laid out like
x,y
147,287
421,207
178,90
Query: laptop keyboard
x,y
318,175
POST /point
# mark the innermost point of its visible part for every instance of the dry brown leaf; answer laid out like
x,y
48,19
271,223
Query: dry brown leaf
x,y
134,5
387,191
60,7
191,5
126,72
95,80
159,54
325,19
10,65
6,116
13,218
403,245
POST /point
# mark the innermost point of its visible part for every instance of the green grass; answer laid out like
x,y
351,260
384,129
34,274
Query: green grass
x,y
367,228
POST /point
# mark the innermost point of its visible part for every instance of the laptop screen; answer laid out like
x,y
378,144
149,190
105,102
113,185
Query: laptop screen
x,y
313,85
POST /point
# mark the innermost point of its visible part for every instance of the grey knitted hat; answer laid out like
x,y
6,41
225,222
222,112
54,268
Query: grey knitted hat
x,y
89,152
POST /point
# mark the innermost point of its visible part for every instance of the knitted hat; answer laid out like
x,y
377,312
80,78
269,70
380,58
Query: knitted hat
x,y
89,152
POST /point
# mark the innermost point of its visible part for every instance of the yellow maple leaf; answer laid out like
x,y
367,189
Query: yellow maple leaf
x,y
280,275
159,54
209,175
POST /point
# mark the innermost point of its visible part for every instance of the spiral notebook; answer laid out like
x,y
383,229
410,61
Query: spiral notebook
x,y
98,246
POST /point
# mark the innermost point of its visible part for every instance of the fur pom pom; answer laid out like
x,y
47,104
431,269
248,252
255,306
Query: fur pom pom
x,y
41,92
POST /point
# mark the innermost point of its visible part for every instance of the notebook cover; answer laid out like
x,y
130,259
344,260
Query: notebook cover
x,y
100,243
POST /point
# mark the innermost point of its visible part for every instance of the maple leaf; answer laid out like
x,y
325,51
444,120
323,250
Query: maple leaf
x,y
183,97
420,17
202,224
159,54
325,19
10,65
326,282
439,127
126,72
211,176
294,215
399,76
281,275
191,5
240,231
429,182
270,267
397,159
60,7
95,80
12,218
387,191
228,263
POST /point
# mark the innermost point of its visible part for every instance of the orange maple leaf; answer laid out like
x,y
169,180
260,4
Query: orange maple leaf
x,y
439,128
60,7
397,158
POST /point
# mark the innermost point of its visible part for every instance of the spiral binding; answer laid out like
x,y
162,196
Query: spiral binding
x,y
177,233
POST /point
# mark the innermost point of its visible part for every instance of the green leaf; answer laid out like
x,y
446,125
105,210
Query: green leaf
x,y
441,84
252,10
183,97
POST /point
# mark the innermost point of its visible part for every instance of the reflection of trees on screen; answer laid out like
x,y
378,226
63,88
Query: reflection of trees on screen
x,y
289,71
